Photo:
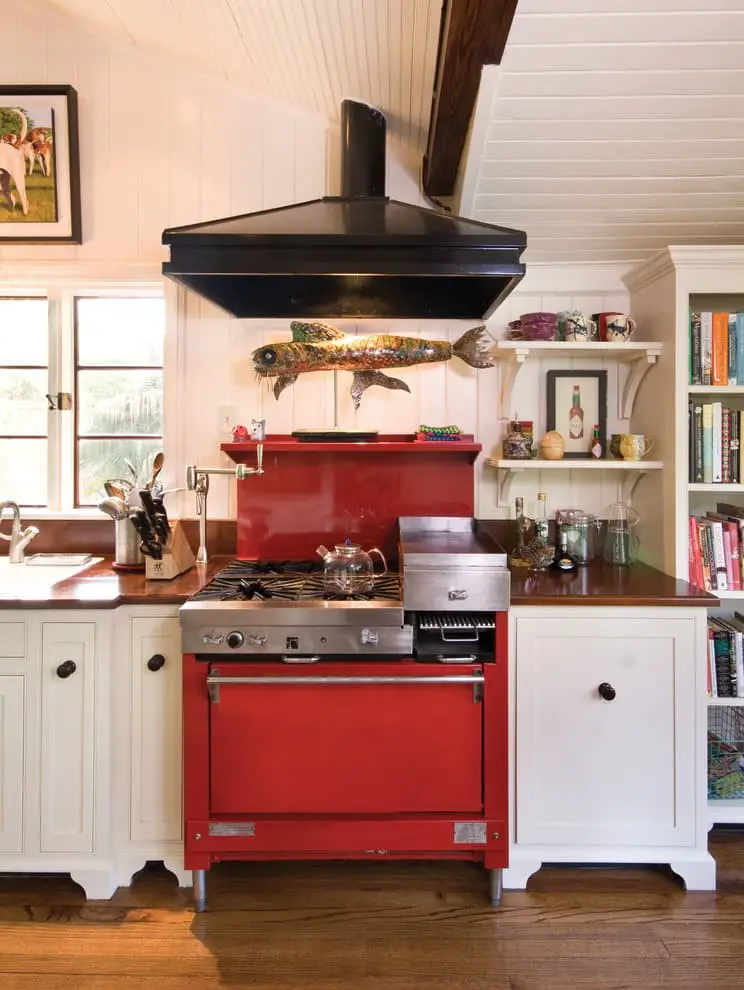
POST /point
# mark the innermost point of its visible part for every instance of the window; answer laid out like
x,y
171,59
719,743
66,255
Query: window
x,y
119,388
24,374
104,350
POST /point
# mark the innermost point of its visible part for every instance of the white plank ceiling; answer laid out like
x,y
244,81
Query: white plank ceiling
x,y
612,128
313,53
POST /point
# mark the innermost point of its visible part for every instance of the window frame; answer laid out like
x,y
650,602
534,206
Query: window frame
x,y
61,295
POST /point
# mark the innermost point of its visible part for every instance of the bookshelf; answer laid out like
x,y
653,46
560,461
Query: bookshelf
x,y
662,292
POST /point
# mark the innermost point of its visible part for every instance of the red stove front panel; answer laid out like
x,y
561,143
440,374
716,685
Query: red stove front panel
x,y
377,739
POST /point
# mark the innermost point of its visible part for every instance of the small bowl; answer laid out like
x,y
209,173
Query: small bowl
x,y
539,317
538,331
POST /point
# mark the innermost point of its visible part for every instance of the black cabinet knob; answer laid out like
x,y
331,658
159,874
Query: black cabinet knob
x,y
156,662
66,669
606,691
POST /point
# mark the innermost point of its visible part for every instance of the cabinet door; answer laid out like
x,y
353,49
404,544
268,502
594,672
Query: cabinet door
x,y
11,763
596,771
67,736
155,810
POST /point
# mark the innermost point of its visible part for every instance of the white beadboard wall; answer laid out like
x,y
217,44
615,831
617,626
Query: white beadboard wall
x,y
162,146
218,381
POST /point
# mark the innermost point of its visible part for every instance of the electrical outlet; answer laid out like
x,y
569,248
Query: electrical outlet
x,y
225,418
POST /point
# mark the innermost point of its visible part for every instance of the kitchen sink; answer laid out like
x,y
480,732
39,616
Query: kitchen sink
x,y
24,580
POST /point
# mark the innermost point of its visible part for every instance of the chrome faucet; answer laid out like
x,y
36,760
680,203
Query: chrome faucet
x,y
19,539
197,481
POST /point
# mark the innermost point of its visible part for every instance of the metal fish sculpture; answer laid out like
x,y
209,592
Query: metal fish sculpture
x,y
320,347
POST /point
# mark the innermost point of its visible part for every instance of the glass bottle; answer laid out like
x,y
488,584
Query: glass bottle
x,y
576,416
563,560
541,518
596,443
519,511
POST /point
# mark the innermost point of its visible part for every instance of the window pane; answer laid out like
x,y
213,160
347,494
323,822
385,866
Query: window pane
x,y
120,331
23,470
23,405
23,331
120,402
102,460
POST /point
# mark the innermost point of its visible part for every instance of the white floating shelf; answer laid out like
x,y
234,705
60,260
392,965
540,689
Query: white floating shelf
x,y
634,470
698,487
726,812
512,354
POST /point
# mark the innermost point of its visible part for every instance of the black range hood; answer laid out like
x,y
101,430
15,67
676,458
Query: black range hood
x,y
357,255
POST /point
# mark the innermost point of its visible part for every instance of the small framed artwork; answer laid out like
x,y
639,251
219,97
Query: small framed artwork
x,y
39,165
577,402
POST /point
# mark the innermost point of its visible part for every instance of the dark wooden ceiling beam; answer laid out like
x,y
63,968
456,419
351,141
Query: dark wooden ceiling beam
x,y
473,34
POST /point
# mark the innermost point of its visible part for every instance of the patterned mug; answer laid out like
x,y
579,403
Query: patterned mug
x,y
575,326
635,446
614,327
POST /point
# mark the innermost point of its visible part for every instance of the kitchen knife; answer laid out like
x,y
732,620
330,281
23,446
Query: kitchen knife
x,y
150,543
155,517
160,512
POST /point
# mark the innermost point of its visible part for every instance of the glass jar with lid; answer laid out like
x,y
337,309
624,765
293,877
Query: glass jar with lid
x,y
579,531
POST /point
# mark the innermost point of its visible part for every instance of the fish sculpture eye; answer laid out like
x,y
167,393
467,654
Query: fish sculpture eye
x,y
268,356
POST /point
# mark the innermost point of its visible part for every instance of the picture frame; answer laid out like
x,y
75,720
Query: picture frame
x,y
591,389
39,165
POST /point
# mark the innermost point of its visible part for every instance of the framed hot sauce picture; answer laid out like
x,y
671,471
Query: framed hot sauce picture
x,y
577,402
39,165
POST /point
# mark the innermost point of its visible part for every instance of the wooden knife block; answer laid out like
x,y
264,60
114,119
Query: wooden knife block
x,y
177,557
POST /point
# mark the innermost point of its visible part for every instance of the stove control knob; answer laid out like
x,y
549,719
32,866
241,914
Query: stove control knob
x,y
370,637
234,640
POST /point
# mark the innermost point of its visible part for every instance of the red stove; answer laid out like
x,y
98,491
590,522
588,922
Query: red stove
x,y
371,726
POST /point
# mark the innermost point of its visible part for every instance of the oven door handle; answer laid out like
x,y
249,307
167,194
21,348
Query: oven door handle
x,y
214,680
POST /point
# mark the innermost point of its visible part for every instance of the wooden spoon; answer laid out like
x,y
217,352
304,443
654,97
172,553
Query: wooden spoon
x,y
157,467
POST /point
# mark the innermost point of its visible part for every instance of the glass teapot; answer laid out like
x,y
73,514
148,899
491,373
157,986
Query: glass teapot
x,y
621,543
349,569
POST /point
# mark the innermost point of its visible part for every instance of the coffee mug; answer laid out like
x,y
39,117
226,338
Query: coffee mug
x,y
634,446
575,326
615,439
614,326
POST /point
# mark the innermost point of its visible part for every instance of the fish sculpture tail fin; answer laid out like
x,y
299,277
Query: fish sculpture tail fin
x,y
473,349
364,379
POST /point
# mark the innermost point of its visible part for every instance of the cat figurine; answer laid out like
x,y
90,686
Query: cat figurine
x,y
258,429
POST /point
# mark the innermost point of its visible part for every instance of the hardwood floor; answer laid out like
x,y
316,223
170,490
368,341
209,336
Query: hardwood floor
x,y
327,926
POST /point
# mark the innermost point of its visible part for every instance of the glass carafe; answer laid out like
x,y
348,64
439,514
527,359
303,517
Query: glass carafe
x,y
349,569
621,543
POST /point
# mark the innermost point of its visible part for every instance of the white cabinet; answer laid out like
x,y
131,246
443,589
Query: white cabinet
x,y
608,739
67,736
54,731
11,762
148,748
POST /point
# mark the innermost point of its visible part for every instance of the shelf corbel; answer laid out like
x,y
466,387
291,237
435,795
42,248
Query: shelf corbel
x,y
637,371
509,371
630,482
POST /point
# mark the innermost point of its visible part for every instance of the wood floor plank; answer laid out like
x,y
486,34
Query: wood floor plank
x,y
380,926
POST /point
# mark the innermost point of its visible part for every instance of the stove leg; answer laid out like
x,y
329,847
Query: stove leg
x,y
495,883
200,889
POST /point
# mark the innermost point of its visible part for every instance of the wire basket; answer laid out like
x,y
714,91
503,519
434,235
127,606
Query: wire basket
x,y
725,752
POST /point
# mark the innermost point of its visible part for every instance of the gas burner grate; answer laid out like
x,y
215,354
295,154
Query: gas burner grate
x,y
296,581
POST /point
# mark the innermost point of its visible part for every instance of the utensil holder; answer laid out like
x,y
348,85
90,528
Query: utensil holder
x,y
177,557
127,554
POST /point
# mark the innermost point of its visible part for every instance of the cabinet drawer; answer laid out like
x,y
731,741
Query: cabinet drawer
x,y
472,589
12,640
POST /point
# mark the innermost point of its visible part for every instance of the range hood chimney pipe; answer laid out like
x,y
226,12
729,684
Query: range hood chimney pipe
x,y
363,137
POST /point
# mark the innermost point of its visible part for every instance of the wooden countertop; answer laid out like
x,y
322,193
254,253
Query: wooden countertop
x,y
603,584
99,586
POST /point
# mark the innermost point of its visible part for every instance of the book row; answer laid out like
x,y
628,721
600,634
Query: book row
x,y
716,348
715,450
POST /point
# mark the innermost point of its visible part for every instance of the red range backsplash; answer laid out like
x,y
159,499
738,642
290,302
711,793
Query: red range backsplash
x,y
314,493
